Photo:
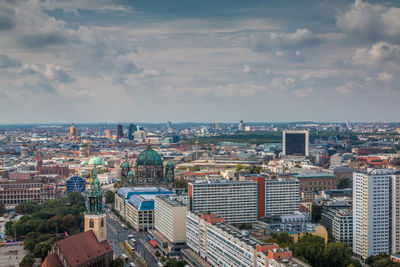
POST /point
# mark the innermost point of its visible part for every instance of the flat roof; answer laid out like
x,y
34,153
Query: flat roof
x,y
220,182
314,175
170,200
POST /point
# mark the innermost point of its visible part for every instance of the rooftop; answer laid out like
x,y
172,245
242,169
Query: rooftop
x,y
142,202
171,201
127,192
314,175
81,248
221,181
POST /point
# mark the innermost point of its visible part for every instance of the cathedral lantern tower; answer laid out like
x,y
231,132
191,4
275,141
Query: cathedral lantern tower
x,y
95,217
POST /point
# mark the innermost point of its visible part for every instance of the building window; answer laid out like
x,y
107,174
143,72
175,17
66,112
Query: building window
x,y
102,222
91,223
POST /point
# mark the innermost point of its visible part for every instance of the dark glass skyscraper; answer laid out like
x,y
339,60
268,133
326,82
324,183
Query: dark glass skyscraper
x,y
295,143
132,128
120,132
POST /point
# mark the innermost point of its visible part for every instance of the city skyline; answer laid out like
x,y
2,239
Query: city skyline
x,y
275,61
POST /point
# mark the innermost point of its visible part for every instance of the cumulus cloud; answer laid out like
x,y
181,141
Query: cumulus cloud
x,y
51,72
36,29
259,41
379,53
385,77
8,62
370,21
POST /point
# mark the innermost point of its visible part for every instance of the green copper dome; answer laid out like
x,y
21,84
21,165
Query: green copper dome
x,y
149,157
95,161
125,165
131,173
169,165
84,163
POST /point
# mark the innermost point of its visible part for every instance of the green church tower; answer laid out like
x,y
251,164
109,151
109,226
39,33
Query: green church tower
x,y
95,217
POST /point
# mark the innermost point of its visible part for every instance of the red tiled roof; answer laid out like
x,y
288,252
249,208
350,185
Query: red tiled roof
x,y
51,261
83,247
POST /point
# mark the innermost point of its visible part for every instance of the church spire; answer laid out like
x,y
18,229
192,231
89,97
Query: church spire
x,y
148,143
95,198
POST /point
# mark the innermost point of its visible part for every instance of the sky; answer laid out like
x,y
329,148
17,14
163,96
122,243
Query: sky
x,y
200,61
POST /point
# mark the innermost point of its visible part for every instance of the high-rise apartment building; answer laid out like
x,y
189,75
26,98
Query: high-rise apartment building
x,y
282,196
170,218
235,201
170,224
212,242
295,143
278,196
241,125
375,212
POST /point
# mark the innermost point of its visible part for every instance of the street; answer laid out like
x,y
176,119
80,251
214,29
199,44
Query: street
x,y
117,233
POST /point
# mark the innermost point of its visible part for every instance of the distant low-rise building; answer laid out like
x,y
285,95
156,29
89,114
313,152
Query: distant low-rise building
x,y
317,181
15,192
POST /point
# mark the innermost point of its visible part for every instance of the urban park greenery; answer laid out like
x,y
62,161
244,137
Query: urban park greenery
x,y
41,222
313,250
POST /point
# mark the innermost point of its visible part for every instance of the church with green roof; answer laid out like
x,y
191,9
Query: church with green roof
x,y
149,169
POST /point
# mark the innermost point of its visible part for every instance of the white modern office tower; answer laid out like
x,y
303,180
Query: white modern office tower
x,y
235,201
295,143
375,212
282,196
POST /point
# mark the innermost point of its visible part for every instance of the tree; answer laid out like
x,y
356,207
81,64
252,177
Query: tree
x,y
344,183
180,184
284,238
75,198
42,248
117,263
311,248
27,261
109,196
238,167
316,211
336,254
117,185
174,263
2,208
157,254
28,207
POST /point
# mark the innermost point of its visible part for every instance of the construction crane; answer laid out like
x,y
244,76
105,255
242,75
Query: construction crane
x,y
197,144
58,175
88,150
3,173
